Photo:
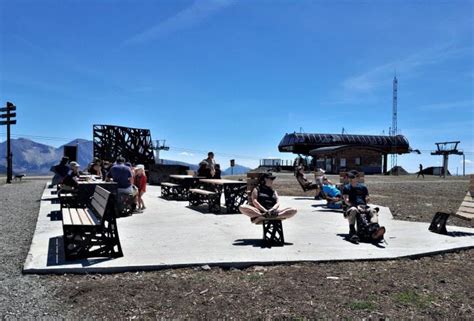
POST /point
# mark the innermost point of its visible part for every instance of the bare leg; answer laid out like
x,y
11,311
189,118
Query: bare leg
x,y
252,212
286,213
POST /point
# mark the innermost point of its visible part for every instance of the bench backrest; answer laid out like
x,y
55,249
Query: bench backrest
x,y
99,201
343,179
471,184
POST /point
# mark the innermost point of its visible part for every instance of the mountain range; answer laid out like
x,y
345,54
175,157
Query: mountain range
x,y
33,158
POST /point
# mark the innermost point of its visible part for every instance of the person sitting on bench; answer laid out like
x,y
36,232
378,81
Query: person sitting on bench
x,y
264,202
356,196
332,193
69,183
60,171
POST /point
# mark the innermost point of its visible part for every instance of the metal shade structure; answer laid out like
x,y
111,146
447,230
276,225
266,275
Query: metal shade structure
x,y
306,144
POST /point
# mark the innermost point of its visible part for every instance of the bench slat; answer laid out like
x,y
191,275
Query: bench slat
x,y
92,218
102,192
201,191
98,208
467,204
169,184
85,217
66,216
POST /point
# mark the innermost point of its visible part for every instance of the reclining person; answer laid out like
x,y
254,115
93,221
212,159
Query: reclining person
x,y
264,202
306,184
356,196
332,193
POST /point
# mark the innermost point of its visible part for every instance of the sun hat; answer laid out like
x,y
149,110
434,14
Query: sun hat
x,y
140,166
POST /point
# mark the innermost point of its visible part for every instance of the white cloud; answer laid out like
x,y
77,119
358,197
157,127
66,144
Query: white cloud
x,y
199,11
467,161
380,75
187,154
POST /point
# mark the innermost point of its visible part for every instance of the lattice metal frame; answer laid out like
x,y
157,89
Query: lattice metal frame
x,y
134,144
273,233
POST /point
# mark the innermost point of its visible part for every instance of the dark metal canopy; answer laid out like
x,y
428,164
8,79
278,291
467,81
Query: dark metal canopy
x,y
303,143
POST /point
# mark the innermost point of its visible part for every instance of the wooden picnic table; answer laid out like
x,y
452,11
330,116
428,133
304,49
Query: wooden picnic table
x,y
235,192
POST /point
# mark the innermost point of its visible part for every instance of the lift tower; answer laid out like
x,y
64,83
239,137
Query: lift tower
x,y
445,149
394,128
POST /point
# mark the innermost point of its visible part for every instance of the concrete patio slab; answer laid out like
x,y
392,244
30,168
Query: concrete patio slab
x,y
169,234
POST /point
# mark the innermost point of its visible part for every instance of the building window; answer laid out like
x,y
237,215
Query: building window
x,y
343,162
357,161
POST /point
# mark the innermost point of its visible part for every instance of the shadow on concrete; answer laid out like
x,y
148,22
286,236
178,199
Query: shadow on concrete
x,y
345,237
304,199
205,210
257,243
459,234
56,255
55,215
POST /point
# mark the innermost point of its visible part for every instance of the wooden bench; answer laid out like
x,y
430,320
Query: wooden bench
x,y
465,211
172,191
200,196
92,231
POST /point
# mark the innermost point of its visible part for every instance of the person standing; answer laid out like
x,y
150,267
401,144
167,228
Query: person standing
x,y
140,182
210,164
420,172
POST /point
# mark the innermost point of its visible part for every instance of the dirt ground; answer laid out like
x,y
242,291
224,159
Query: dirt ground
x,y
434,287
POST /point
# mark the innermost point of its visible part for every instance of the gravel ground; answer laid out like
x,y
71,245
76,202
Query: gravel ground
x,y
436,287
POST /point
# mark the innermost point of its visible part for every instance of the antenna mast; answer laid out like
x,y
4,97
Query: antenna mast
x,y
394,129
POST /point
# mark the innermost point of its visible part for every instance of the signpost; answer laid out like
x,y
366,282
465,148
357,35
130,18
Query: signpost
x,y
232,164
6,113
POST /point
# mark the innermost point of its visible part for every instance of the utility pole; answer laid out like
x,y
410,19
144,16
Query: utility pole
x,y
9,121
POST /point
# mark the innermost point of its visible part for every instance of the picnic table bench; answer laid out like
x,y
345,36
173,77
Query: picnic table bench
x,y
465,211
200,196
178,188
91,231
235,192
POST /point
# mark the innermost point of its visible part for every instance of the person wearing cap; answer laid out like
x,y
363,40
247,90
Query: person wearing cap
x,y
264,202
140,181
70,181
356,196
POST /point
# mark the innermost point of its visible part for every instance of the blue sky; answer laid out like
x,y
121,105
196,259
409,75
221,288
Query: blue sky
x,y
235,76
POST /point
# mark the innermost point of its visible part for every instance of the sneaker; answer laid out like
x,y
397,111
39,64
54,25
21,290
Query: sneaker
x,y
378,235
354,238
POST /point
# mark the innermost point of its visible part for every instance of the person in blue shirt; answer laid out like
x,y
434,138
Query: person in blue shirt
x,y
332,193
122,175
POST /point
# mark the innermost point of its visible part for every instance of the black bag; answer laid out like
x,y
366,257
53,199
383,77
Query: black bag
x,y
365,229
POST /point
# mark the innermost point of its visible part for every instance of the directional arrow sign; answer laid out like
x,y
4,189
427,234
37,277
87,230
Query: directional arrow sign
x,y
8,122
8,115
7,108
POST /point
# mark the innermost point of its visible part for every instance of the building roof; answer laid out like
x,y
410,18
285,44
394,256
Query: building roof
x,y
303,143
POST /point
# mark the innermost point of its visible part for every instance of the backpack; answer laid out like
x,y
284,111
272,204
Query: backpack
x,y
365,229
